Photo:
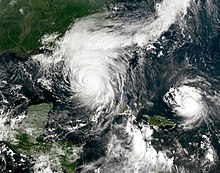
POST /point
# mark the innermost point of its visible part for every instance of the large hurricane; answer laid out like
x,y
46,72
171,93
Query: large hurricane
x,y
93,51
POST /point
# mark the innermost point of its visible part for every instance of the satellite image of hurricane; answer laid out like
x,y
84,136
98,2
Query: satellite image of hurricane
x,y
109,86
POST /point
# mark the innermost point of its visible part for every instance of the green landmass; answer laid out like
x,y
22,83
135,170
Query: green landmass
x,y
29,139
25,145
35,120
122,108
63,150
67,160
158,120
24,22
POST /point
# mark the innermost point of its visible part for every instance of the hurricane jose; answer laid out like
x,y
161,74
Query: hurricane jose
x,y
187,102
93,51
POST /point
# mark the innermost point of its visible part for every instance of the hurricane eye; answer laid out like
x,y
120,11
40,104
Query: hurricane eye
x,y
186,102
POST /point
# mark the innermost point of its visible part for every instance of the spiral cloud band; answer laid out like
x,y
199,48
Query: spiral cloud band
x,y
187,102
93,51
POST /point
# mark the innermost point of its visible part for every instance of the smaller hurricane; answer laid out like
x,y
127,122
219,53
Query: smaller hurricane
x,y
187,102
